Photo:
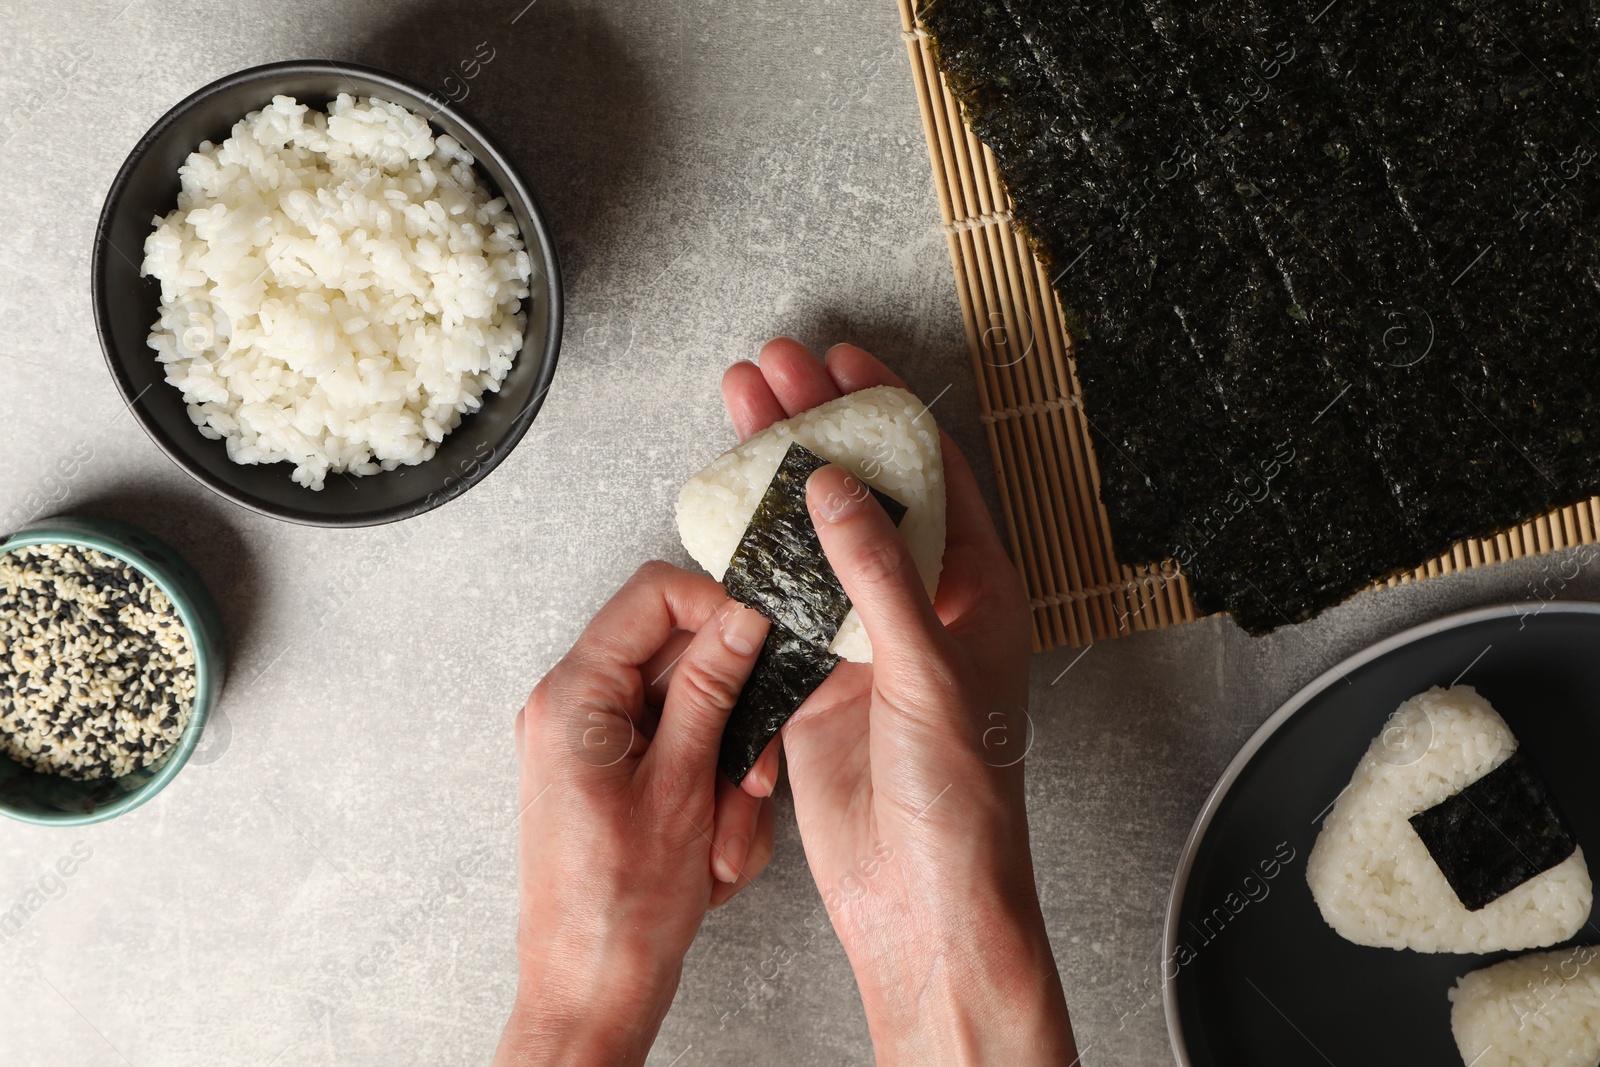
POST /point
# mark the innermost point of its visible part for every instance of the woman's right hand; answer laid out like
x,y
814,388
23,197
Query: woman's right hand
x,y
907,772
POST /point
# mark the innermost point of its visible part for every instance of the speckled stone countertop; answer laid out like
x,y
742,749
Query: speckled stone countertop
x,y
332,880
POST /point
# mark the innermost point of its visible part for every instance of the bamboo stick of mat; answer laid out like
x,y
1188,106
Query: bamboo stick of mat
x,y
1039,432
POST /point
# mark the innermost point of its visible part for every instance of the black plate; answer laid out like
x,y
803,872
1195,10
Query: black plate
x,y
125,305
1259,978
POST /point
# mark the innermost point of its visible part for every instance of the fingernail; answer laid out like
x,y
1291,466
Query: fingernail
x,y
743,630
839,504
726,861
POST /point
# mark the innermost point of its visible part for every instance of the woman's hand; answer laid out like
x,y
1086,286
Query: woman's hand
x,y
907,772
627,831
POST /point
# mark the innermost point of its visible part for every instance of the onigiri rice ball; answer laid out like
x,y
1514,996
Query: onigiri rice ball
x,y
1375,880
1539,1010
884,436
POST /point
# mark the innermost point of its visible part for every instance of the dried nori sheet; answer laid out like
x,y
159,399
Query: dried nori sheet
x,y
1329,270
780,570
1495,834
779,567
787,670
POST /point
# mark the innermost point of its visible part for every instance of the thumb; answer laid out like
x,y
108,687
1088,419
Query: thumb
x,y
875,567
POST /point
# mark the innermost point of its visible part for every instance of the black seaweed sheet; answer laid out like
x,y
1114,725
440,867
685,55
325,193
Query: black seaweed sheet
x,y
788,670
1495,834
1330,270
779,567
780,570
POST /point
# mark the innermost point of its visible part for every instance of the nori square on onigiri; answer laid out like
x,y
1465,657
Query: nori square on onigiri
x,y
788,669
779,567
1495,834
780,570
1329,269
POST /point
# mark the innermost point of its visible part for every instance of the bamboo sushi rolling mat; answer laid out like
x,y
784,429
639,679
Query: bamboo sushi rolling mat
x,y
1032,406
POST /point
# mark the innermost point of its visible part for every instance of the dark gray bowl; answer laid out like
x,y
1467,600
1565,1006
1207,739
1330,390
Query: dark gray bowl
x,y
125,306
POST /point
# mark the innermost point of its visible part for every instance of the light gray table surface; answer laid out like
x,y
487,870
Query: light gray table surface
x,y
716,173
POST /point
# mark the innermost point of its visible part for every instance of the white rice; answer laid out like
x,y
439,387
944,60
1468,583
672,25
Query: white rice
x,y
1541,1010
1374,879
337,289
884,436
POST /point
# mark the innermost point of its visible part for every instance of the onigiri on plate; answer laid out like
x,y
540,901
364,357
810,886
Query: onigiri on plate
x,y
1539,1010
1446,840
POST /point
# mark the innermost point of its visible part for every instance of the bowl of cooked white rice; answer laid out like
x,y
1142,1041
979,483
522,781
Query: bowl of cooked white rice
x,y
327,294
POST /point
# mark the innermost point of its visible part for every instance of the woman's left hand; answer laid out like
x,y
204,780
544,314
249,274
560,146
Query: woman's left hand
x,y
628,832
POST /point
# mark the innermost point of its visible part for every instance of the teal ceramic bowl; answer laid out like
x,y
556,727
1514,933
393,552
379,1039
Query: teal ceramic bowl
x,y
50,800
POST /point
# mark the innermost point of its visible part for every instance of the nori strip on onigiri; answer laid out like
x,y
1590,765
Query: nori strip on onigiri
x,y
1358,235
788,669
780,569
1495,834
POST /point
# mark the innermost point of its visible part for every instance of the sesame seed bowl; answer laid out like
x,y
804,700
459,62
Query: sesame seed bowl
x,y
111,657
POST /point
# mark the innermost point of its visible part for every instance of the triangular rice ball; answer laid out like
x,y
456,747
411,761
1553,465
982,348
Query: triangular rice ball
x,y
1540,1010
884,436
1376,881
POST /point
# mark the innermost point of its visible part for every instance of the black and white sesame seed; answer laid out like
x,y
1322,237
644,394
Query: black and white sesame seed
x,y
97,675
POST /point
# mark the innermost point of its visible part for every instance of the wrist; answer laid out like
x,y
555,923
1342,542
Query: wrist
x,y
602,1009
537,1034
982,989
